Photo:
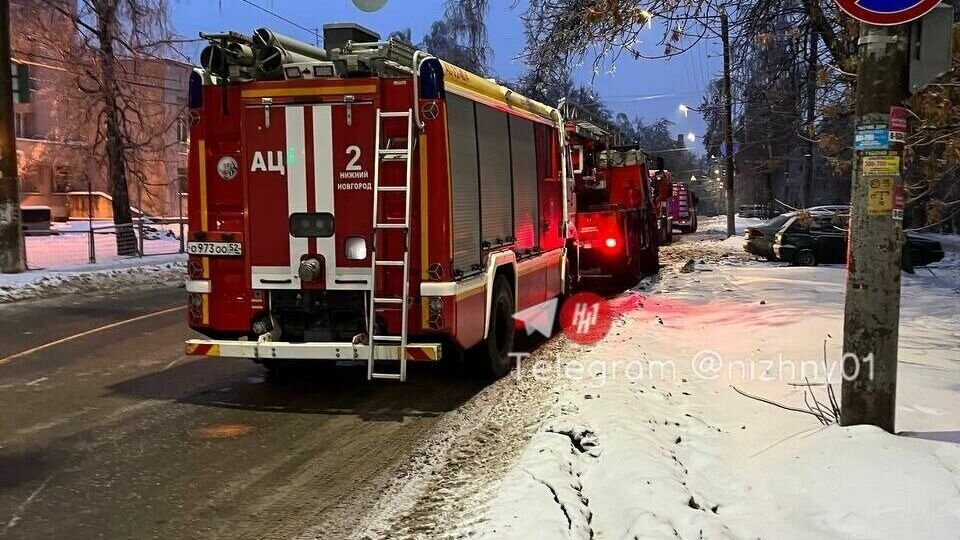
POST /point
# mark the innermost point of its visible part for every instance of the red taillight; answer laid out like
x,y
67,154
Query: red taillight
x,y
755,233
611,243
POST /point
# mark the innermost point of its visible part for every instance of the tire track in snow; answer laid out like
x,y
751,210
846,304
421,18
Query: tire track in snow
x,y
444,492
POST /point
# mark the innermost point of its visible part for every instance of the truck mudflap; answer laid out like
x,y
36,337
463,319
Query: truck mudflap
x,y
419,352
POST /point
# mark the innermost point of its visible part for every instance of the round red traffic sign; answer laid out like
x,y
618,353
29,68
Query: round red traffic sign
x,y
887,12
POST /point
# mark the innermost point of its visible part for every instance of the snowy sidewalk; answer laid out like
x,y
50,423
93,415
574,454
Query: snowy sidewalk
x,y
649,440
117,274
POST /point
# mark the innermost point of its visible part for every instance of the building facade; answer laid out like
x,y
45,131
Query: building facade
x,y
59,128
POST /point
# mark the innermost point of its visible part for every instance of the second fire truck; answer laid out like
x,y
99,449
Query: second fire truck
x,y
616,218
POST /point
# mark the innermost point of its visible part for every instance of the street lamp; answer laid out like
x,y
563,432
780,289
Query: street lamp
x,y
684,110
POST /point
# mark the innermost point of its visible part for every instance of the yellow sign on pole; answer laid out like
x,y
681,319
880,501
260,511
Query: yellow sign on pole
x,y
881,164
880,202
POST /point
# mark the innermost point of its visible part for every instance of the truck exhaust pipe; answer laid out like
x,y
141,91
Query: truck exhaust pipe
x,y
219,59
264,37
241,54
213,59
270,59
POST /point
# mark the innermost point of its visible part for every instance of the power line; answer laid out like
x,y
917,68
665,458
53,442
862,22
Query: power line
x,y
120,79
310,31
120,62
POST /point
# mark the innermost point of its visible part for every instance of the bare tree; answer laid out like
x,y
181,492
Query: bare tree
x,y
116,38
466,21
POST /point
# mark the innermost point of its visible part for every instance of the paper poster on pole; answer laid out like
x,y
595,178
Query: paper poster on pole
x,y
880,164
872,137
899,201
897,124
880,195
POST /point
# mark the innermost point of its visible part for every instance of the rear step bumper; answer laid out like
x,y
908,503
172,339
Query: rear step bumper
x,y
419,352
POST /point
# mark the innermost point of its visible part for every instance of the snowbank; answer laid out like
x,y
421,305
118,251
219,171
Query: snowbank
x,y
718,224
159,270
649,439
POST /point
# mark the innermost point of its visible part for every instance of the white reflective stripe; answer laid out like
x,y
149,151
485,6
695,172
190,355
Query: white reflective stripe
x,y
323,156
312,350
323,180
451,288
295,156
198,286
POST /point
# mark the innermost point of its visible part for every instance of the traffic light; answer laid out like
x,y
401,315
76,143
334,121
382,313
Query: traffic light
x,y
20,77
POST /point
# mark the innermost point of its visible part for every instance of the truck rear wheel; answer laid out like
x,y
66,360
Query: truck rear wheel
x,y
572,276
649,261
491,358
650,256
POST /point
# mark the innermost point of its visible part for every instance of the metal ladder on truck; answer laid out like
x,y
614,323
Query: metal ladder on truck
x,y
376,299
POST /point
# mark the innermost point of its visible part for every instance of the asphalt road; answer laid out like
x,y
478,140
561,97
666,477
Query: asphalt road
x,y
115,434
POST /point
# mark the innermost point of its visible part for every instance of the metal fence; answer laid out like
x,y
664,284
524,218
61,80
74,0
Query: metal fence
x,y
79,242
76,244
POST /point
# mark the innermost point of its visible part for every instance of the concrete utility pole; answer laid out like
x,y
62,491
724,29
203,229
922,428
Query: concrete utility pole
x,y
11,235
728,123
812,55
872,315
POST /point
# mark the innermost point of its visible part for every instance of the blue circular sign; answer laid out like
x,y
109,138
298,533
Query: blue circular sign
x,y
887,12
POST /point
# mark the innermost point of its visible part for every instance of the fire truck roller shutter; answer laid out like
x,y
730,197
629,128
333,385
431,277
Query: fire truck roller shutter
x,y
526,199
496,190
464,170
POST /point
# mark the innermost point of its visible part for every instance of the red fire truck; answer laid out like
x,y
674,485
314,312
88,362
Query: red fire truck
x,y
366,202
616,222
683,208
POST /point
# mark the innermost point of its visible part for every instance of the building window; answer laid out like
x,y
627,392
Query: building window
x,y
182,179
183,131
61,179
21,125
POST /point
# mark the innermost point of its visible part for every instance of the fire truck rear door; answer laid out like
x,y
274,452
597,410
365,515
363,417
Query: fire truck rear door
x,y
303,163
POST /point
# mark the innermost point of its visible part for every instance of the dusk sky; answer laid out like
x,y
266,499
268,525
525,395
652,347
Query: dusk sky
x,y
648,88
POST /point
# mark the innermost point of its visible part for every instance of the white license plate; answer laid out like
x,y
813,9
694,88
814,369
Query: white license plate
x,y
215,249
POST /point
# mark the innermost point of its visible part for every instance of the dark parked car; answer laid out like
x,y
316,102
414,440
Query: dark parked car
x,y
759,240
922,251
812,239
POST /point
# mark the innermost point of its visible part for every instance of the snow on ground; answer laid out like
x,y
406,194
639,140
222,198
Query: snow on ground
x,y
717,225
116,274
648,439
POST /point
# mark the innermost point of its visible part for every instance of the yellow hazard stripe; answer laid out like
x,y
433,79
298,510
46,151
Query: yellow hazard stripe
x,y
202,349
308,91
424,207
202,151
429,352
